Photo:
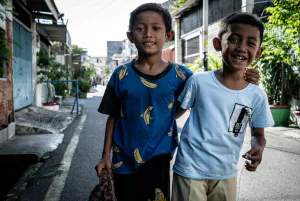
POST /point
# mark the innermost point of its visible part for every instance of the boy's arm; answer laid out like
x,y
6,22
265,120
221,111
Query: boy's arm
x,y
252,75
179,110
106,161
258,143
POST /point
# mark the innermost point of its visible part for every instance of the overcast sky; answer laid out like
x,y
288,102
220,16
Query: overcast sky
x,y
93,22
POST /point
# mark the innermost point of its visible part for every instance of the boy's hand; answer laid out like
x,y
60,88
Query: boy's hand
x,y
255,156
252,75
105,162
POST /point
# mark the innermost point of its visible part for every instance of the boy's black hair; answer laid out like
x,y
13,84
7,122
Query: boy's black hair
x,y
241,18
155,8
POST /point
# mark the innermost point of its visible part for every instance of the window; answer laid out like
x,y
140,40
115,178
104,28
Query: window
x,y
191,49
193,46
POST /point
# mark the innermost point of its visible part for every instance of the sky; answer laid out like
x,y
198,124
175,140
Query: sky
x,y
91,23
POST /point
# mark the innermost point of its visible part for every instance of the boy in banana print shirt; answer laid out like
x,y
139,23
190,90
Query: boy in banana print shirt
x,y
140,100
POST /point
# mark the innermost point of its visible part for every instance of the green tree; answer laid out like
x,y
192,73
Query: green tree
x,y
177,4
214,63
77,50
281,56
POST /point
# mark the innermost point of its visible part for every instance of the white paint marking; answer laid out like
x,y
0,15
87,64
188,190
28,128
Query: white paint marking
x,y
58,183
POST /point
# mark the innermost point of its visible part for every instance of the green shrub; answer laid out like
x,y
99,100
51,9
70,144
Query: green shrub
x,y
61,89
84,86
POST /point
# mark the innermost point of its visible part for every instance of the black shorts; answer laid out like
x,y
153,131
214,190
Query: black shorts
x,y
149,182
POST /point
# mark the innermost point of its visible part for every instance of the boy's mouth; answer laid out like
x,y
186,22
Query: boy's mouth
x,y
240,58
148,43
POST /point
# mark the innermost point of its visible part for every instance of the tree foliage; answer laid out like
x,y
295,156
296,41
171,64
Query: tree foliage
x,y
177,4
280,59
214,63
77,50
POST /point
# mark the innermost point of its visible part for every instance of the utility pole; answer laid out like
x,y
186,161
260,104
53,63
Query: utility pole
x,y
205,34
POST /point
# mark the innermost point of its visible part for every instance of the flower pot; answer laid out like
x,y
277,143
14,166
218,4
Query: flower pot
x,y
296,112
280,114
51,106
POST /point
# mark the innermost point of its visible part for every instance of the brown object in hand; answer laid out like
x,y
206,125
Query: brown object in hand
x,y
105,190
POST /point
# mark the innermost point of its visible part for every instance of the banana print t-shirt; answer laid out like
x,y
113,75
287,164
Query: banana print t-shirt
x,y
145,107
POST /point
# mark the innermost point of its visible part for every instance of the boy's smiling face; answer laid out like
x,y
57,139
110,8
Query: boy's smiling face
x,y
149,33
240,45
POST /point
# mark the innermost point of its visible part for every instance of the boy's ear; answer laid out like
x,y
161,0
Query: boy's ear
x,y
129,36
217,44
169,35
258,53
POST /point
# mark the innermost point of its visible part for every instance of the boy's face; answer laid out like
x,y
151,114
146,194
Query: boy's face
x,y
149,33
240,45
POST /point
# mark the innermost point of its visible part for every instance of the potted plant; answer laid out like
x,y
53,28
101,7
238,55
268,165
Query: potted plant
x,y
50,70
280,59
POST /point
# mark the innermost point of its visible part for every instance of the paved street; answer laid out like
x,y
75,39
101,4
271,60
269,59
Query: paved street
x,y
69,175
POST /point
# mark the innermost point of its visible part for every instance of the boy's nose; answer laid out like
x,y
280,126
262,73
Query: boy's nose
x,y
242,47
148,33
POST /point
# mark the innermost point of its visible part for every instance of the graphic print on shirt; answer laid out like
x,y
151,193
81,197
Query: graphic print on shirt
x,y
137,156
117,165
171,104
239,119
146,115
148,84
180,73
123,72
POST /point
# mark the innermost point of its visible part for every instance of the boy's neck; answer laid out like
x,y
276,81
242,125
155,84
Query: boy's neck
x,y
151,65
231,79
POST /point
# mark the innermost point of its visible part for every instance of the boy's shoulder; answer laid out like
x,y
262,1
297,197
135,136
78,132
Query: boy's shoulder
x,y
122,67
257,91
181,68
201,76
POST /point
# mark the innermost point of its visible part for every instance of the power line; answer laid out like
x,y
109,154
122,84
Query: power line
x,y
112,1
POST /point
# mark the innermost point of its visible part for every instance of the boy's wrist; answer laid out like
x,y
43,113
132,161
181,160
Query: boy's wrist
x,y
106,154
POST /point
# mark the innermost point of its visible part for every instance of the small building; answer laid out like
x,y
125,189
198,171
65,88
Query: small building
x,y
100,65
36,25
189,24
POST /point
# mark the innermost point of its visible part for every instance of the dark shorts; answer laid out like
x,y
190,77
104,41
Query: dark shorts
x,y
151,181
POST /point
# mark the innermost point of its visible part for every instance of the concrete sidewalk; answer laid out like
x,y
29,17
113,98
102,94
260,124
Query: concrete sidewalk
x,y
38,130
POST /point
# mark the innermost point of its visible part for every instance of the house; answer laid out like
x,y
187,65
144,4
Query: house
x,y
37,24
189,24
100,65
168,53
7,125
113,47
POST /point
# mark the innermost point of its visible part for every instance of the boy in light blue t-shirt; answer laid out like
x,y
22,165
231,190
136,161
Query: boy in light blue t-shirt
x,y
222,103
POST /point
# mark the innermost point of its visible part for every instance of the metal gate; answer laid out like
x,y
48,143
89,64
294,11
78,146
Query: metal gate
x,y
22,66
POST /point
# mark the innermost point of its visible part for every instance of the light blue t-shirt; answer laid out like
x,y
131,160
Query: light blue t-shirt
x,y
212,137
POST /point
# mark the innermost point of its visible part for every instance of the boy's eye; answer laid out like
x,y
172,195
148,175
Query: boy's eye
x,y
251,43
156,28
139,28
234,40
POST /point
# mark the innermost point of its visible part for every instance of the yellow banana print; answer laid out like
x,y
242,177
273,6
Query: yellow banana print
x,y
121,113
146,115
148,84
117,165
137,156
179,72
116,149
159,195
171,104
170,132
123,72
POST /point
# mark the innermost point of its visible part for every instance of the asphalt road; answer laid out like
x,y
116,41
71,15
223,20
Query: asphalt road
x,y
69,175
